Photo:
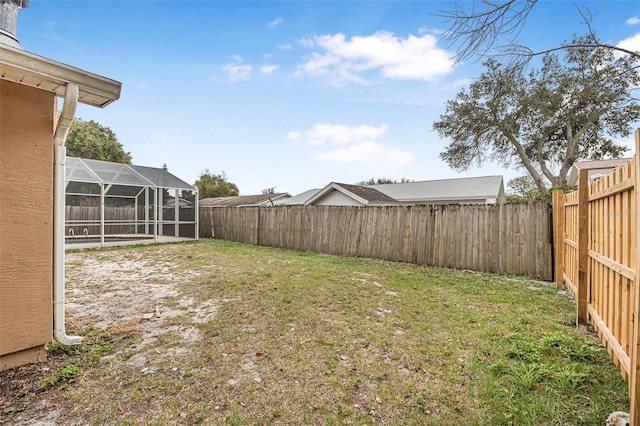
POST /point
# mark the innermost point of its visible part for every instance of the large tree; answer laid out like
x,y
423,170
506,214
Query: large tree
x,y
88,139
210,185
566,111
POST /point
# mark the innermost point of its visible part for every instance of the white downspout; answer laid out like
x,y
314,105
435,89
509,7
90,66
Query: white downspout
x,y
60,155
197,217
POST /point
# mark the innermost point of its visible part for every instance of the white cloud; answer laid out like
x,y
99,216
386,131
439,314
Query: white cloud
x,y
284,46
457,84
275,22
358,145
293,136
632,43
411,58
368,152
341,134
238,72
268,69
429,30
306,42
632,21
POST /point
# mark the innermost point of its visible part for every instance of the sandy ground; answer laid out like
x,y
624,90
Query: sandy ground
x,y
112,291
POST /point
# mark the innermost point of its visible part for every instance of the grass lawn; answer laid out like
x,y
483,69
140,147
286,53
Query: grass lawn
x,y
230,334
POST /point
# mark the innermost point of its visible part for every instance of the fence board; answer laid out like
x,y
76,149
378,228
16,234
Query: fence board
x,y
600,221
512,238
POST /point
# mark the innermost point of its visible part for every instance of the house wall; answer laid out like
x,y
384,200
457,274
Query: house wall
x,y
336,198
26,222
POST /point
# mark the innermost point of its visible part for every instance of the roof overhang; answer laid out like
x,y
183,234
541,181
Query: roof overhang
x,y
26,68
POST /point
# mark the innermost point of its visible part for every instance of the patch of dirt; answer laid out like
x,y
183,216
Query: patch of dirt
x,y
122,294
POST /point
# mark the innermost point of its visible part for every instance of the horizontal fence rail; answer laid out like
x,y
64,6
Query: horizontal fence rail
x,y
118,220
505,238
83,220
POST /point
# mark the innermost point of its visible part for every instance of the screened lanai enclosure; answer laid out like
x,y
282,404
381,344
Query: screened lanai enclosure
x,y
113,203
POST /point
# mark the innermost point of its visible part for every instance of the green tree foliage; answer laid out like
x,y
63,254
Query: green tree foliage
x,y
524,190
381,181
210,185
88,139
267,191
566,111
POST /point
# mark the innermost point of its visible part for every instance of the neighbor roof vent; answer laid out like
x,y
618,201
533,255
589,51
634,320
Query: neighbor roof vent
x,y
9,21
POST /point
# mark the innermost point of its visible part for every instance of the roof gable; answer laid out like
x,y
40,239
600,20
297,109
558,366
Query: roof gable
x,y
363,195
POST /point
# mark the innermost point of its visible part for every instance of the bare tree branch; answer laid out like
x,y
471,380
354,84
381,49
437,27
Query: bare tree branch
x,y
477,28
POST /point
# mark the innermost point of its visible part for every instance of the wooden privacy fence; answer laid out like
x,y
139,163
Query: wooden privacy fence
x,y
597,258
119,220
506,238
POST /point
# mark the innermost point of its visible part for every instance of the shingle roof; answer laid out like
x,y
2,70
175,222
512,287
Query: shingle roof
x,y
368,193
601,164
242,200
454,189
363,195
297,199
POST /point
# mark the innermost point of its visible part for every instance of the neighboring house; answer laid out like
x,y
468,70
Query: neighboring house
x,y
473,190
32,167
477,190
596,168
341,194
297,200
262,200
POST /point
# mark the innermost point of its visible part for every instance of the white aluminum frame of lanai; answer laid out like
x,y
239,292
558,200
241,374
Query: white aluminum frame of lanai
x,y
159,202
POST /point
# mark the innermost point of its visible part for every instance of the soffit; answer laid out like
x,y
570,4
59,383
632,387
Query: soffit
x,y
26,68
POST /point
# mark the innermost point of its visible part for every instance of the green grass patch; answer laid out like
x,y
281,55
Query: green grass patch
x,y
305,338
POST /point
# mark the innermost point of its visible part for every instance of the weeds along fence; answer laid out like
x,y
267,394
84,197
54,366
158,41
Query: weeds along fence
x,y
507,238
597,258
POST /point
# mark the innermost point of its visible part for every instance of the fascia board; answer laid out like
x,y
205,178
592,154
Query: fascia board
x,y
29,69
334,186
352,195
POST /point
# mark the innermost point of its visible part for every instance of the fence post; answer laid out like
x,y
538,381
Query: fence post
x,y
558,236
634,386
258,224
583,241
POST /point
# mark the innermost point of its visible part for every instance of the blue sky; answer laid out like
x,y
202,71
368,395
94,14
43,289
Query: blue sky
x,y
285,94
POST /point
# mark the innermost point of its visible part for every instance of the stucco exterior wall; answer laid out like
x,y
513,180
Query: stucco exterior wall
x,y
26,222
